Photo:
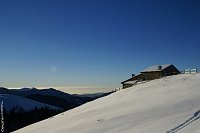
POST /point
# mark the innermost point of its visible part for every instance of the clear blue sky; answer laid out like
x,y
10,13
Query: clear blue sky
x,y
94,43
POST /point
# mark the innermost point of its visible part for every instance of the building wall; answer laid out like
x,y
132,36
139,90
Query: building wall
x,y
170,71
127,85
151,75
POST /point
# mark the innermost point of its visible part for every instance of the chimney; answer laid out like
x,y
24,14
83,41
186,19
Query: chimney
x,y
159,67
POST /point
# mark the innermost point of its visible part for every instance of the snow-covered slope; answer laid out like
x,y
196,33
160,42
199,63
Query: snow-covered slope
x,y
166,105
11,101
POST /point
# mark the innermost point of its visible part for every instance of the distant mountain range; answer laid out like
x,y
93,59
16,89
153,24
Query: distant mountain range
x,y
48,97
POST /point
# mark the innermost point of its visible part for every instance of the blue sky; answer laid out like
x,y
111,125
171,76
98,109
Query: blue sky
x,y
94,43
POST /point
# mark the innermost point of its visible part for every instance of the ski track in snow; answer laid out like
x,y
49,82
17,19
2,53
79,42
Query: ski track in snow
x,y
194,118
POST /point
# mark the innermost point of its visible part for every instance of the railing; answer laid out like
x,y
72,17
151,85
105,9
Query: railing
x,y
190,71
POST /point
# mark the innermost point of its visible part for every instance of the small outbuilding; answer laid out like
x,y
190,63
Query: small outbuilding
x,y
153,72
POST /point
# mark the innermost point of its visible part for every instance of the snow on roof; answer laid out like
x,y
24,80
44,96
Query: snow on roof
x,y
156,68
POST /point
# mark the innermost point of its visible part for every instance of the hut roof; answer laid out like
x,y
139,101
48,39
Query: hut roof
x,y
156,68
131,79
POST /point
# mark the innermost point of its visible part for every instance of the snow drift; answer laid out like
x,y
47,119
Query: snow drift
x,y
167,105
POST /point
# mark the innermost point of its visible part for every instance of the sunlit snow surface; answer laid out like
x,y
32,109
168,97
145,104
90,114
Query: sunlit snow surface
x,y
166,105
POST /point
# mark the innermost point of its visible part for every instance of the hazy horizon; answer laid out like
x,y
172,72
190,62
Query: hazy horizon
x,y
72,90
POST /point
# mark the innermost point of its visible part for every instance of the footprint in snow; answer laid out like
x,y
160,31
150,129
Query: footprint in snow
x,y
100,120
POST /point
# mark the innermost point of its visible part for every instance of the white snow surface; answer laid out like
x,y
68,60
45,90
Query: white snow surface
x,y
167,105
11,101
